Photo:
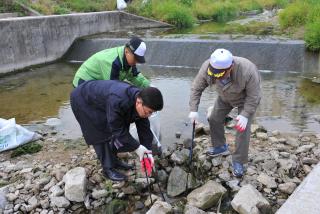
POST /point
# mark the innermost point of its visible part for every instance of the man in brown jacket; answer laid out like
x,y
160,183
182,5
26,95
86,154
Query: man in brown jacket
x,y
237,82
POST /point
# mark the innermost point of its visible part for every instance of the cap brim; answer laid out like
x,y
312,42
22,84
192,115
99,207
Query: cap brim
x,y
216,72
140,59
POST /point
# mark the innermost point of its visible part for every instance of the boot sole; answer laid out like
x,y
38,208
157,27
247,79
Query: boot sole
x,y
226,153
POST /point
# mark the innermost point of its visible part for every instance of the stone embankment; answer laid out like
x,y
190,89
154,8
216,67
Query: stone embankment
x,y
65,177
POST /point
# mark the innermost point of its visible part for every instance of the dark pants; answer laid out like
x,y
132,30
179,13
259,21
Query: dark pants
x,y
107,154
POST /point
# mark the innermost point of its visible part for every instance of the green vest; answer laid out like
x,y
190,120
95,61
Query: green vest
x,y
99,66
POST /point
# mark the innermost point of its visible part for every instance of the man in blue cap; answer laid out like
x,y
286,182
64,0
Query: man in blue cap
x,y
237,82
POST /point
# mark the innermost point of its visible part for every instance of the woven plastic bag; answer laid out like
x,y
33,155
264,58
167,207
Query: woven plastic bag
x,y
121,4
13,135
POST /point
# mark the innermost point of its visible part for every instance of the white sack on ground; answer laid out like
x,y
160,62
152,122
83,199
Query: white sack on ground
x,y
13,135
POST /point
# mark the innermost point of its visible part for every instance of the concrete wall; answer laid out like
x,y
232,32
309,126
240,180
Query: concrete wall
x,y
267,55
29,41
305,199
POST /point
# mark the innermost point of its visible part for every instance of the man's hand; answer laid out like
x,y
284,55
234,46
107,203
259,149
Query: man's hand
x,y
147,164
242,123
194,116
146,159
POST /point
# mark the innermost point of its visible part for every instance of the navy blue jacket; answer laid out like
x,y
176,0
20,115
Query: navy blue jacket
x,y
105,109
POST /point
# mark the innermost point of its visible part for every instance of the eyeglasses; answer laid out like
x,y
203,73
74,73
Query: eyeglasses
x,y
148,112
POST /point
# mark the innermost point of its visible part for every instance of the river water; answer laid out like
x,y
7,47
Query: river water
x,y
289,104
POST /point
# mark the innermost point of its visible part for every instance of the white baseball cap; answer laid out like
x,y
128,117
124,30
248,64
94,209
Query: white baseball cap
x,y
138,48
220,61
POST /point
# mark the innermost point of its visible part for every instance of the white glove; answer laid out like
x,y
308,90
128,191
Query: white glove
x,y
141,150
242,123
193,116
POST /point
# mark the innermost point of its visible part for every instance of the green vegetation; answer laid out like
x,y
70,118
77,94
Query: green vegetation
x,y
303,14
299,19
49,7
7,6
29,148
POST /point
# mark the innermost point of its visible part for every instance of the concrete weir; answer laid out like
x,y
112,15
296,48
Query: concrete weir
x,y
267,55
27,41
305,199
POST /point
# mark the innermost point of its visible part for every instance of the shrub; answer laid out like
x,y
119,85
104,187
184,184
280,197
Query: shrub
x,y
249,5
180,19
224,12
312,35
294,15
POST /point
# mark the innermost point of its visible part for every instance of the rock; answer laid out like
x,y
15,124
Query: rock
x,y
59,202
160,207
262,136
177,182
162,176
11,196
305,148
56,191
139,205
305,139
273,140
192,210
267,181
180,157
33,201
129,190
3,200
75,184
96,194
292,142
207,195
192,182
309,161
154,198
142,183
287,188
247,199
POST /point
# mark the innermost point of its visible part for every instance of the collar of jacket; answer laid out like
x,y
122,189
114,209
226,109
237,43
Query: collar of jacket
x,y
232,77
126,66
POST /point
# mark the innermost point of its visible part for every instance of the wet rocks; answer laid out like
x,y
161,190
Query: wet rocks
x,y
207,195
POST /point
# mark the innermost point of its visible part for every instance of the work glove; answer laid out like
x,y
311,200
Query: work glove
x,y
193,116
242,123
146,159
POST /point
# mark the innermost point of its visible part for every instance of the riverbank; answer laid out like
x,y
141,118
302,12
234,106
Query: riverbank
x,y
39,183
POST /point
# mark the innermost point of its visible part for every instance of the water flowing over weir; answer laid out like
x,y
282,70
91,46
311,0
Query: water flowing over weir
x,y
275,55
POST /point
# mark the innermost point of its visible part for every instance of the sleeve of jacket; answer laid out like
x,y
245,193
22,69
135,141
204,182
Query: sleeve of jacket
x,y
117,124
137,78
199,84
253,92
144,132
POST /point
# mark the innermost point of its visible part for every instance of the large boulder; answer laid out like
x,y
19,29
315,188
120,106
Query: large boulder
x,y
75,184
207,195
177,182
248,199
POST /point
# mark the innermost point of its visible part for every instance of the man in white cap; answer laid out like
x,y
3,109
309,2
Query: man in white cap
x,y
118,63
237,82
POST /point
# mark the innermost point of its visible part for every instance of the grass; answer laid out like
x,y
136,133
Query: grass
x,y
303,14
28,148
9,7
